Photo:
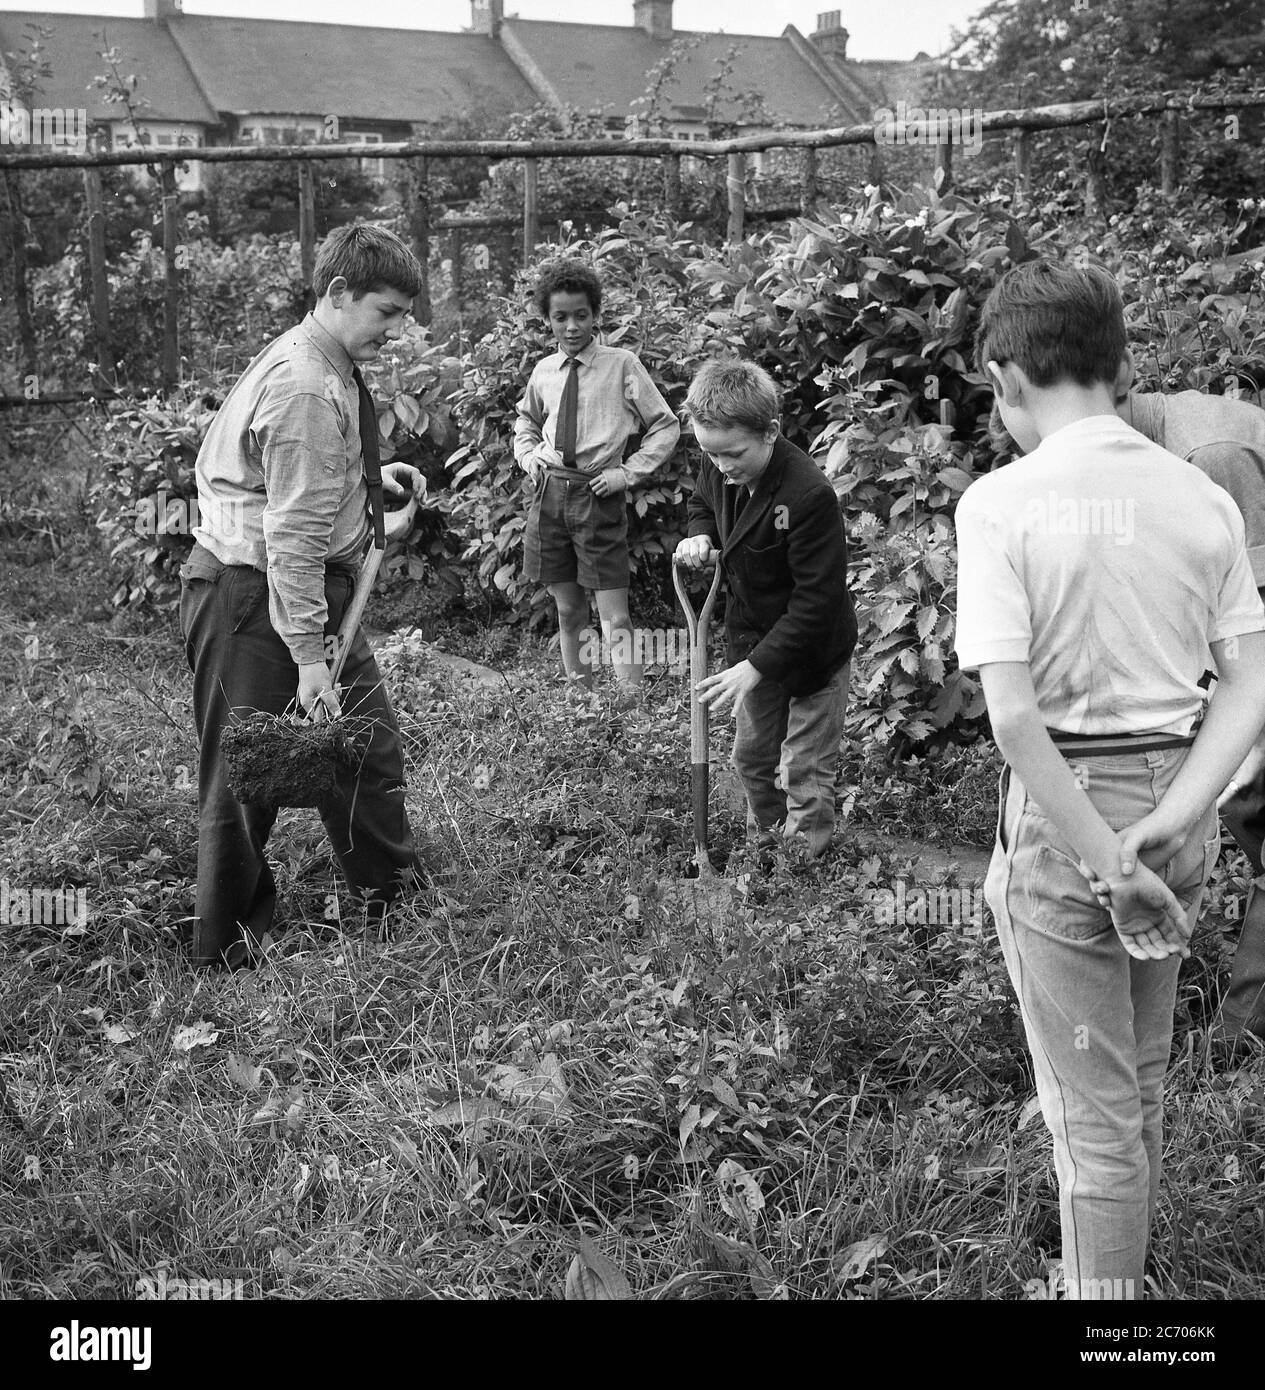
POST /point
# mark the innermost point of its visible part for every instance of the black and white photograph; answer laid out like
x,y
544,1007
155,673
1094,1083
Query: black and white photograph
x,y
632,668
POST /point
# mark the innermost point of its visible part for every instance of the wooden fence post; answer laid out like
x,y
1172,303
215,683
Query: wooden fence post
x,y
171,299
1023,166
531,207
1170,153
1096,177
672,184
21,289
736,183
97,274
808,179
419,219
307,223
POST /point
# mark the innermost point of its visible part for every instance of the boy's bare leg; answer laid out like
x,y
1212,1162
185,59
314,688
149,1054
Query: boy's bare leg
x,y
612,608
573,614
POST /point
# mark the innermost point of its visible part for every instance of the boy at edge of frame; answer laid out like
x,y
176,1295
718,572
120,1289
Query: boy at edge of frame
x,y
1090,642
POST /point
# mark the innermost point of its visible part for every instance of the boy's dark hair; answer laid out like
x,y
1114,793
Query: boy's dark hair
x,y
728,393
368,258
1055,322
567,277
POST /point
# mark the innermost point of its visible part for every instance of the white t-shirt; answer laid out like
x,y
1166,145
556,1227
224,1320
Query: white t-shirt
x,y
1108,565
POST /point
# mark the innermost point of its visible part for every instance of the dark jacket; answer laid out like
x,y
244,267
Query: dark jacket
x,y
785,562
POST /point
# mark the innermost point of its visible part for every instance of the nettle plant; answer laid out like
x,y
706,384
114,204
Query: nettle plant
x,y
651,305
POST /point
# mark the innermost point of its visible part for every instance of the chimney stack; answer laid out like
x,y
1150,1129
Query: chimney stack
x,y
654,16
830,36
487,16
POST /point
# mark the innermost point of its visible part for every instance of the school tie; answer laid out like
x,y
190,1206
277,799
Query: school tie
x,y
372,455
568,413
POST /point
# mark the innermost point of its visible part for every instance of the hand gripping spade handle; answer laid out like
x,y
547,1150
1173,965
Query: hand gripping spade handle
x,y
696,624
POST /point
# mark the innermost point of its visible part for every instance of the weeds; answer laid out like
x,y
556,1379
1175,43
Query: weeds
x,y
744,1087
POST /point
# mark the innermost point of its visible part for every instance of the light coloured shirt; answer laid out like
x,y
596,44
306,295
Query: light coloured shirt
x,y
1109,565
615,398
1224,438
281,480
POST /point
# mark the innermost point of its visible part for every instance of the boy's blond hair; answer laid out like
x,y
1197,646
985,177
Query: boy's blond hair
x,y
725,394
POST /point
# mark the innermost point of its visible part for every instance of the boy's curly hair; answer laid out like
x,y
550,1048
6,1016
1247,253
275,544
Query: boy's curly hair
x,y
567,277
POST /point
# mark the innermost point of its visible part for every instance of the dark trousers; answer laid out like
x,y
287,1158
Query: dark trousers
x,y
240,663
1244,1004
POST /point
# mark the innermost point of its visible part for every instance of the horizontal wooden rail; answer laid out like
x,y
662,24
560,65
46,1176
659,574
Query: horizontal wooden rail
x,y
1032,118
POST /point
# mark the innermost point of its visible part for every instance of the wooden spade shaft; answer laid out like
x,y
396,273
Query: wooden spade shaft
x,y
355,609
398,523
697,626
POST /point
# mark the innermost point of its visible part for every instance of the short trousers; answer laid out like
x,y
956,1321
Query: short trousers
x,y
575,536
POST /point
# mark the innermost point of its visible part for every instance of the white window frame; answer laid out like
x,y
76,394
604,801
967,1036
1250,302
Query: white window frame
x,y
375,168
163,135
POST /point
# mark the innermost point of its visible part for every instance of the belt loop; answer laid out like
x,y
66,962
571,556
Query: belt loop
x,y
1156,759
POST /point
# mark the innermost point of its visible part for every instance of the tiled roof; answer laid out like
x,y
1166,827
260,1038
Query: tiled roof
x,y
266,66
73,50
604,67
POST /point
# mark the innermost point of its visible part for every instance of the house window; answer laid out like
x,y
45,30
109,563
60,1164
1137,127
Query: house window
x,y
375,168
296,131
159,135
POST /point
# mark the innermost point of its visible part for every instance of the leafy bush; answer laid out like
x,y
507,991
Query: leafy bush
x,y
248,199
1192,300
232,299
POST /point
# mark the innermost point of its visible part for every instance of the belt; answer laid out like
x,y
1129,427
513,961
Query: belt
x,y
570,475
1113,745
202,564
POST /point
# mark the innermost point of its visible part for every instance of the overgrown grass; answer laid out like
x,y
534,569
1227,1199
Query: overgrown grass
x,y
741,1087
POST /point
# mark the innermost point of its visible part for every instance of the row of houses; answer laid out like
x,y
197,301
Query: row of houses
x,y
210,80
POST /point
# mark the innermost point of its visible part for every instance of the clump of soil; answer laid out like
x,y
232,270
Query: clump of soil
x,y
273,760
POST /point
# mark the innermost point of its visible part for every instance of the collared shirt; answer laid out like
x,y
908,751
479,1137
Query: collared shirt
x,y
1224,438
281,480
616,398
1109,565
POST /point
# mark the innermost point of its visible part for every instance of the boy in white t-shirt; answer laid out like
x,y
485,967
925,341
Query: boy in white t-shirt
x,y
1097,577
